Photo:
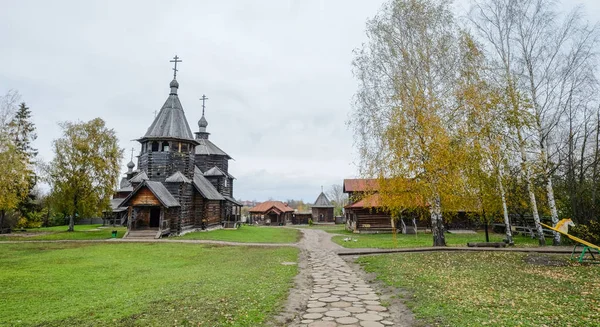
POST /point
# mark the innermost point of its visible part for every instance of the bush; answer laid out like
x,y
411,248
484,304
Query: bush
x,y
588,232
310,222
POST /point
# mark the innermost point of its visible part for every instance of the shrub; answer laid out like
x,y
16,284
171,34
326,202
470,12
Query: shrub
x,y
588,232
310,222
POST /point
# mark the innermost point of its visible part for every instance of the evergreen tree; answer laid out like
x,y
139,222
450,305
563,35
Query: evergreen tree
x,y
23,133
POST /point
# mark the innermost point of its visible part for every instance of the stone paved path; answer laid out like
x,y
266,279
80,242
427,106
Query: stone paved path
x,y
339,297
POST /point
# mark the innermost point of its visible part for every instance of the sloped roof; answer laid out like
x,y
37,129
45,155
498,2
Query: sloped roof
x,y
322,202
370,201
266,206
206,147
160,192
177,177
232,200
114,205
206,189
170,121
361,185
139,178
124,183
216,171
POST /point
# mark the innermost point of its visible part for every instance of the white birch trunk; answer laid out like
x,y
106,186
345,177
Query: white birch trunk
x,y
550,192
527,172
437,226
504,208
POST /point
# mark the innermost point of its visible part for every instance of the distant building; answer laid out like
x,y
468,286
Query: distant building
x,y
364,212
322,210
272,213
182,182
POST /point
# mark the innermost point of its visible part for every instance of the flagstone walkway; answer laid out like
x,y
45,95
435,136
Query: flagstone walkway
x,y
339,296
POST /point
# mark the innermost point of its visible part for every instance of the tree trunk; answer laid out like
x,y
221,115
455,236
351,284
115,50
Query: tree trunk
x,y
530,190
504,208
71,223
549,191
2,213
437,225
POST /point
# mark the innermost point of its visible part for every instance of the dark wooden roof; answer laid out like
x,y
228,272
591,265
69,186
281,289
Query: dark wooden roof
x,y
216,171
322,202
206,188
170,121
206,147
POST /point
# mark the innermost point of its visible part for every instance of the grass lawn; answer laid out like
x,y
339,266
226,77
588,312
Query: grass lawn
x,y
386,241
82,232
248,234
109,284
493,289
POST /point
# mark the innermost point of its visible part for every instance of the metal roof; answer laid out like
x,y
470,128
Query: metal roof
x,y
124,183
170,121
206,147
159,191
177,177
206,189
322,202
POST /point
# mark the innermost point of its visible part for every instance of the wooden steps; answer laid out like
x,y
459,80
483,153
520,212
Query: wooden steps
x,y
142,234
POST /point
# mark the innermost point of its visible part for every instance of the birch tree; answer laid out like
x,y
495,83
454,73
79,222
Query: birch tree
x,y
405,112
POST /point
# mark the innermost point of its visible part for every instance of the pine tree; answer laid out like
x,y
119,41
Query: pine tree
x,y
22,134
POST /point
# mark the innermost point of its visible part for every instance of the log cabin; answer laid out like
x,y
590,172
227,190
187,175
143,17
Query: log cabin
x,y
322,210
274,213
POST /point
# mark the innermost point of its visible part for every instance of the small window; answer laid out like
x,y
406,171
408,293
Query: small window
x,y
165,147
184,147
226,182
154,146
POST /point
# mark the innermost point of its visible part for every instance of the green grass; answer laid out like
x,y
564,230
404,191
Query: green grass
x,y
125,284
386,241
492,289
82,232
248,234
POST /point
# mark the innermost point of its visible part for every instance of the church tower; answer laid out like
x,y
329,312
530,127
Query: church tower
x,y
169,145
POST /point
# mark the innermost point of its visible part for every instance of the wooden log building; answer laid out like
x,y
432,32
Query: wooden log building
x,y
364,213
322,210
182,182
274,213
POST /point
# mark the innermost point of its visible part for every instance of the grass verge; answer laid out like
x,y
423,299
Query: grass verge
x,y
91,284
248,234
493,289
386,241
82,232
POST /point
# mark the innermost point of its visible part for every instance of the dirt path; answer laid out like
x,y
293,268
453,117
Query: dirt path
x,y
329,293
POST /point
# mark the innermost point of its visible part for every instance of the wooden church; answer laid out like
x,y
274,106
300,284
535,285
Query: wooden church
x,y
182,181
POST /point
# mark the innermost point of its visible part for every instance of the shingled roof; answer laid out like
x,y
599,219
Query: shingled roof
x,y
266,206
361,185
170,121
207,148
216,171
206,188
322,202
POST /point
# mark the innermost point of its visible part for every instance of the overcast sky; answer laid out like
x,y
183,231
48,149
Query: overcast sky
x,y
277,74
